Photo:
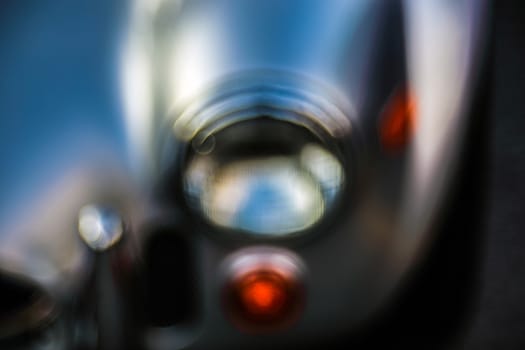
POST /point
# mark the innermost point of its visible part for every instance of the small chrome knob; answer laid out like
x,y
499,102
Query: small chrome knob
x,y
100,227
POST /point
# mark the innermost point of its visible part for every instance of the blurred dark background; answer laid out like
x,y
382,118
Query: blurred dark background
x,y
499,321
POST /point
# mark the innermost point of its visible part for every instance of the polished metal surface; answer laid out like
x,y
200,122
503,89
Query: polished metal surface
x,y
236,123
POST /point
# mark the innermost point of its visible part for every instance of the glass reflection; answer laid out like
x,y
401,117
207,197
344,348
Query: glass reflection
x,y
276,181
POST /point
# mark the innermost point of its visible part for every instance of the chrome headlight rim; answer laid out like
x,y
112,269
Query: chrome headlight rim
x,y
283,97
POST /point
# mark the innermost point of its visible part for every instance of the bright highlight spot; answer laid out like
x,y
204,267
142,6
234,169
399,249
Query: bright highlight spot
x,y
264,295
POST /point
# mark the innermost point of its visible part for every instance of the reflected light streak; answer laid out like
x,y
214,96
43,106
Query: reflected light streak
x,y
137,85
440,46
192,62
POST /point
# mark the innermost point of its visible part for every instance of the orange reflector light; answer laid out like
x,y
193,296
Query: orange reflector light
x,y
263,295
398,121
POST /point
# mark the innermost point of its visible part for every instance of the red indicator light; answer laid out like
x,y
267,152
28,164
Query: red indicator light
x,y
263,295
